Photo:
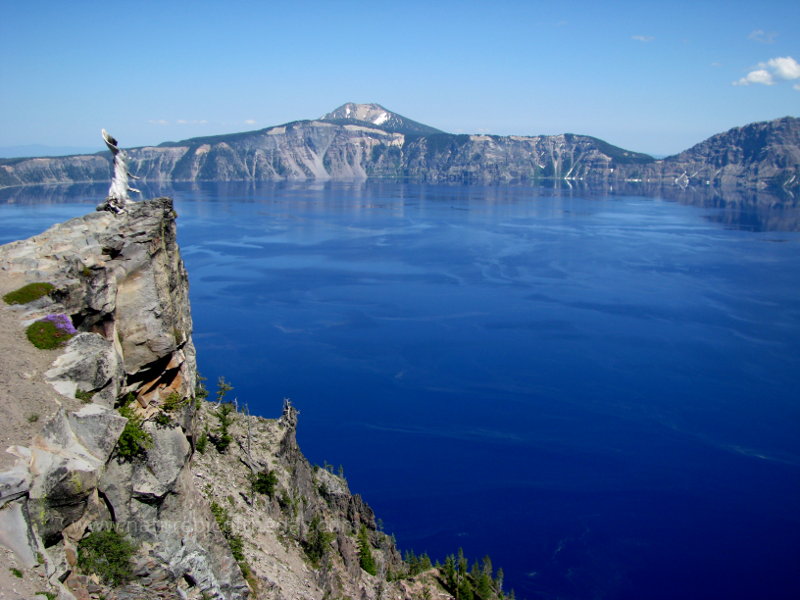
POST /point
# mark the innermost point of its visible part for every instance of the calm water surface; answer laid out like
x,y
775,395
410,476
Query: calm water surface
x,y
600,392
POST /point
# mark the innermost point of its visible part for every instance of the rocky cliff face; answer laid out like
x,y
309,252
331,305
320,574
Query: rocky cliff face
x,y
123,441
59,169
760,155
121,281
301,538
360,141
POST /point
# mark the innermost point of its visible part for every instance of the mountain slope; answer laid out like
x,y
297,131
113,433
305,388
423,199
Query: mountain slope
x,y
358,141
759,155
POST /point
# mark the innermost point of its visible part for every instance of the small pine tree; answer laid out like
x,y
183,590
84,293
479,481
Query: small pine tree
x,y
483,586
265,482
487,565
200,390
202,443
449,565
108,554
424,562
465,591
475,571
222,439
134,440
223,387
417,564
365,558
461,563
317,541
449,571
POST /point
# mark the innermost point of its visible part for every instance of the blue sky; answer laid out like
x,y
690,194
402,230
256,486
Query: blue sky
x,y
652,77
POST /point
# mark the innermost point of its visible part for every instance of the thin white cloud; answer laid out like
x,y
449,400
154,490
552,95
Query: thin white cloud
x,y
761,36
158,122
249,121
783,68
643,38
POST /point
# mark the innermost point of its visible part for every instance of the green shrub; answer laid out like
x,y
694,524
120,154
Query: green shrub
x,y
477,582
222,438
220,516
234,541
162,419
107,554
202,443
84,396
284,500
28,293
365,558
317,541
417,564
50,332
265,482
465,591
16,572
133,441
174,401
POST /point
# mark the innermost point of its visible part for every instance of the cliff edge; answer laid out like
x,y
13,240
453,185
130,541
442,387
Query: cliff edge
x,y
121,283
121,481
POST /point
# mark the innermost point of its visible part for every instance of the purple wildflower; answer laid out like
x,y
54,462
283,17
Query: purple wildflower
x,y
62,322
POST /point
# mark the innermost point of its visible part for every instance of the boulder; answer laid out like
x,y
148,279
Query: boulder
x,y
66,462
14,483
90,363
166,459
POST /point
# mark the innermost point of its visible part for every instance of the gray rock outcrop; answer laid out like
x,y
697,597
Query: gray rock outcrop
x,y
120,277
757,156
122,282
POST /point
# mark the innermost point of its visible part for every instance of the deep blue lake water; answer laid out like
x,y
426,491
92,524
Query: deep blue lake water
x,y
600,392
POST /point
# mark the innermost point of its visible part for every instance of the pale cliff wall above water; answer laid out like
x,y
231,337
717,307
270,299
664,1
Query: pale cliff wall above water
x,y
757,156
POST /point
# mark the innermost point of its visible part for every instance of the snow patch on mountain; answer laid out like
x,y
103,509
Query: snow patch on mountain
x,y
377,115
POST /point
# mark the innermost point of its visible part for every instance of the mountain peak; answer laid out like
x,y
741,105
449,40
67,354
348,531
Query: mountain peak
x,y
377,116
368,113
